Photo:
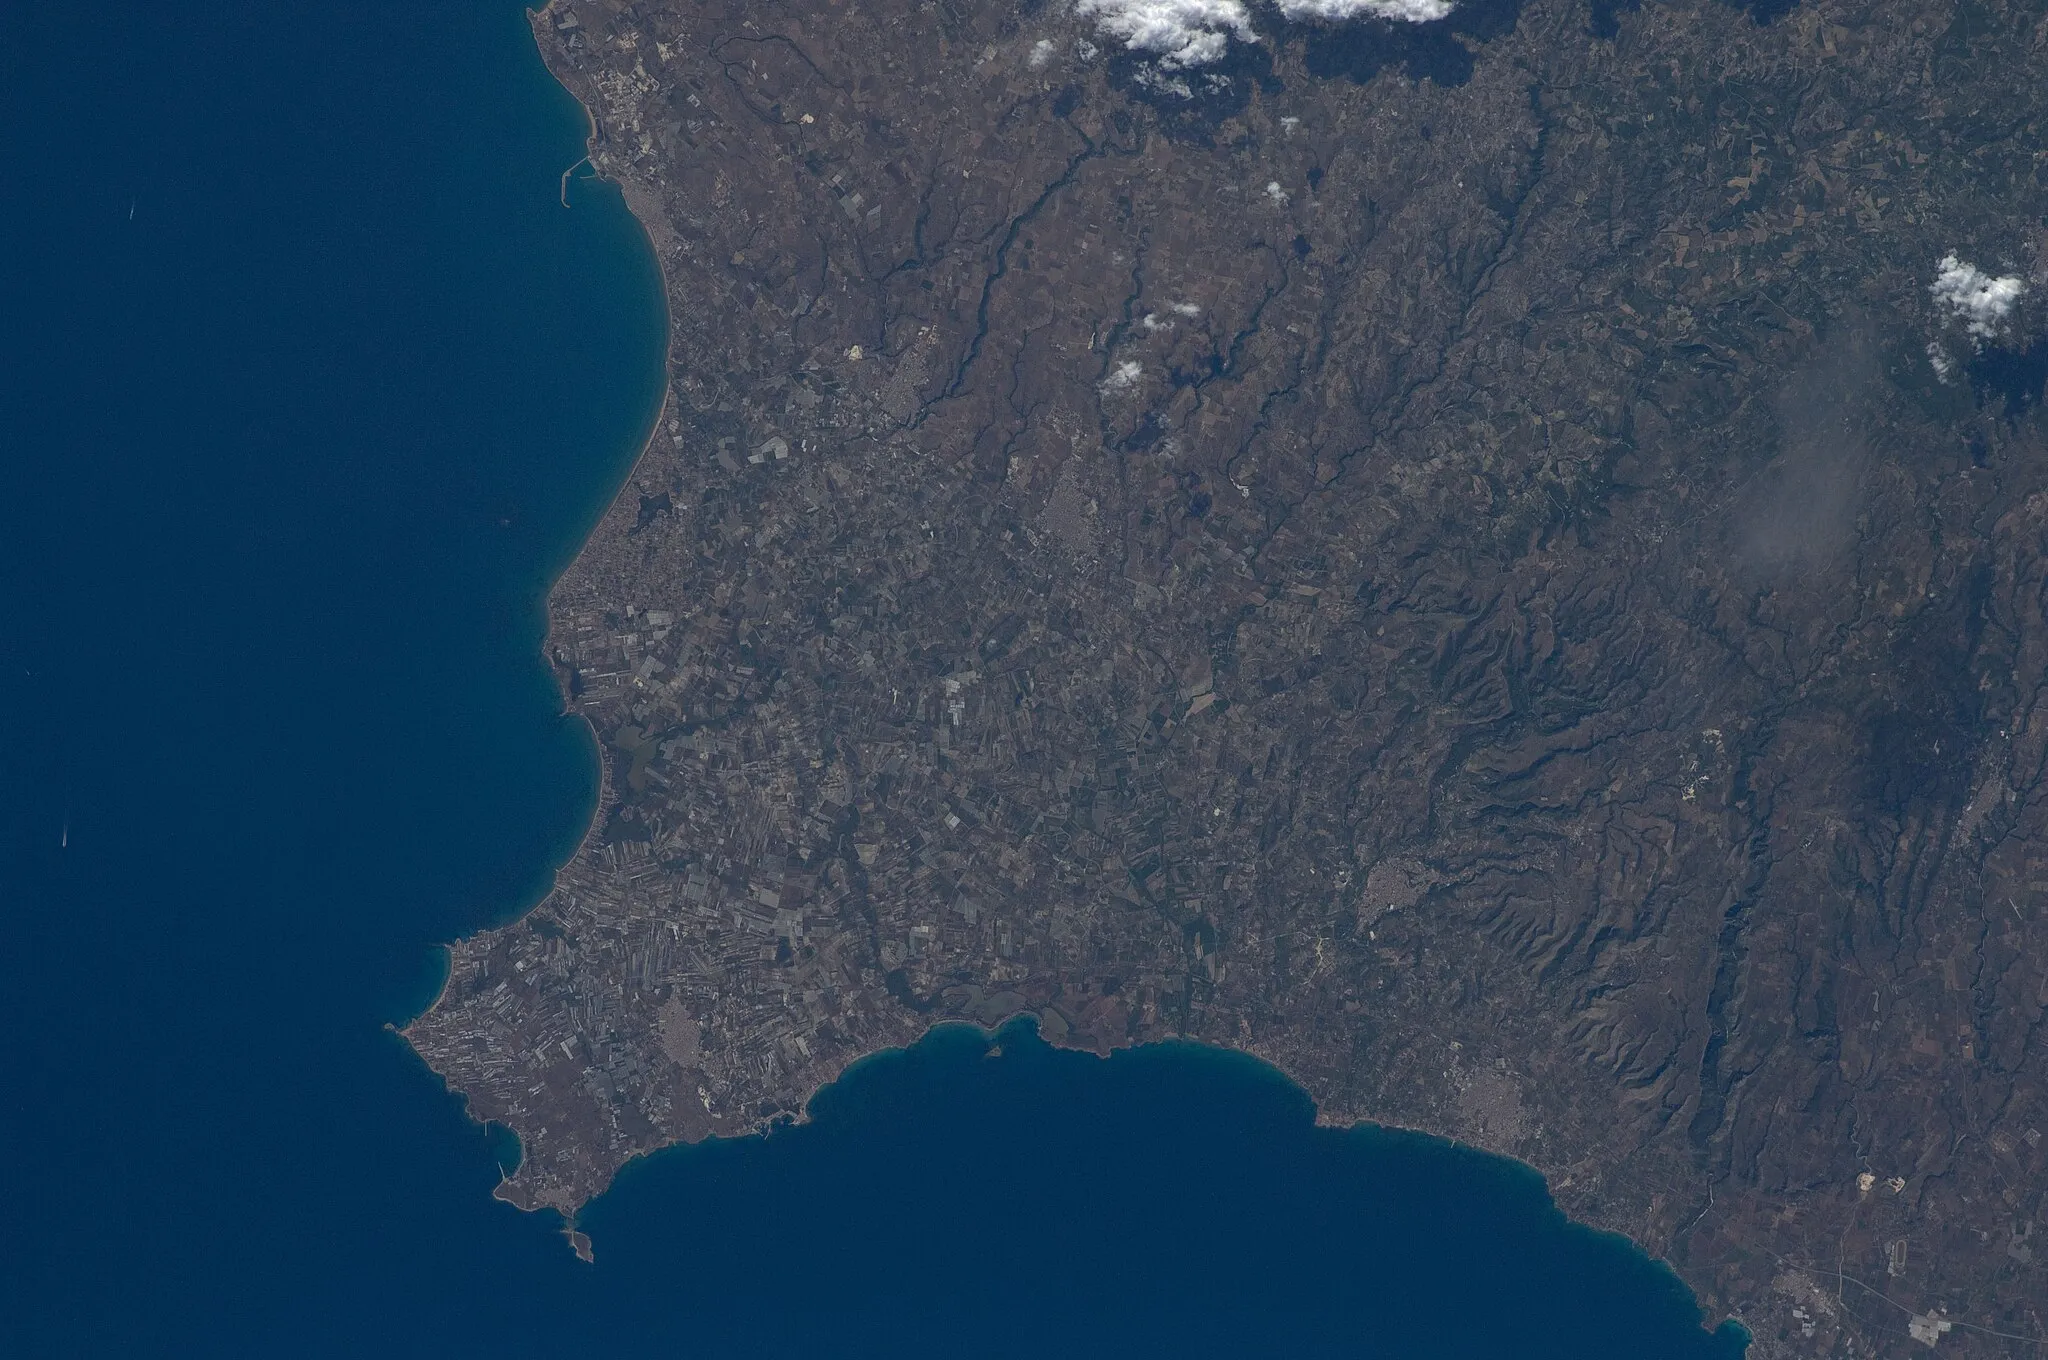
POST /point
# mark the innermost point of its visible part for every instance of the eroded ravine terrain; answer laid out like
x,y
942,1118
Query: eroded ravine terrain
x,y
1477,561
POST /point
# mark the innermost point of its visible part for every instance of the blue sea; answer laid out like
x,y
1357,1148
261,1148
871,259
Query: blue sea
x,y
312,384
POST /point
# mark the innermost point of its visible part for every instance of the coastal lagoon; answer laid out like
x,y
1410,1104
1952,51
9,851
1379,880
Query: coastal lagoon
x,y
321,382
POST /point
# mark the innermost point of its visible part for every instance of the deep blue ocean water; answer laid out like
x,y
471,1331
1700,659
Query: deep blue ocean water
x,y
311,384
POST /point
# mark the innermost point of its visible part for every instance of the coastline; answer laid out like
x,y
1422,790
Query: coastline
x,y
642,205
993,1038
606,796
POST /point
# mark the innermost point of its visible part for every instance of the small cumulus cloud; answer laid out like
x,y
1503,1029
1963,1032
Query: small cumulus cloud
x,y
1944,366
1277,194
1162,81
1178,32
1980,301
1187,309
1124,375
1041,53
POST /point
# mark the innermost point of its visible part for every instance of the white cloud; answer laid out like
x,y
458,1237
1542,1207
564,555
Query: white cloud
x,y
1041,53
1178,32
1944,366
1978,299
1336,11
1276,193
1126,373
1197,32
1163,81
1187,309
